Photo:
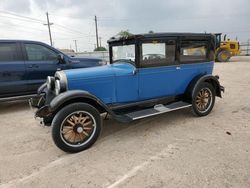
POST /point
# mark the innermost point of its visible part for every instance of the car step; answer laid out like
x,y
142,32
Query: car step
x,y
157,109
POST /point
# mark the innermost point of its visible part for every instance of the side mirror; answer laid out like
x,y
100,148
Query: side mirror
x,y
60,57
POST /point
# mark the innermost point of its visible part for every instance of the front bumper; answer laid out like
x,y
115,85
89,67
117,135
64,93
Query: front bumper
x,y
41,103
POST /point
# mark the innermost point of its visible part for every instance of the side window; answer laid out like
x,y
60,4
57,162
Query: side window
x,y
36,52
8,52
158,54
193,51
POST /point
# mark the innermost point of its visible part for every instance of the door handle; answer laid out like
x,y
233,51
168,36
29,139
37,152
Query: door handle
x,y
178,68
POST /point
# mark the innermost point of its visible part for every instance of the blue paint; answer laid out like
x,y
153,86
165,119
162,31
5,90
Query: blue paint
x,y
123,83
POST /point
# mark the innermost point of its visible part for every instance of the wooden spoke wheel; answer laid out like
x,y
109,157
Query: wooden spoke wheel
x,y
76,127
203,99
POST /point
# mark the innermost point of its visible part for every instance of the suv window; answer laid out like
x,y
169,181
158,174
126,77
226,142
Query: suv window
x,y
8,52
193,51
154,53
36,52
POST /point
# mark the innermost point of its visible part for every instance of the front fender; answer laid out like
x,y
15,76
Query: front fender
x,y
67,96
73,96
214,80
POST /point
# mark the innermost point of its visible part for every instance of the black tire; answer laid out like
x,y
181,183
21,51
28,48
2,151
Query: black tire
x,y
64,116
199,107
223,56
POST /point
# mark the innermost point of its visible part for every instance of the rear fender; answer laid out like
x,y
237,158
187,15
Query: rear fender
x,y
213,80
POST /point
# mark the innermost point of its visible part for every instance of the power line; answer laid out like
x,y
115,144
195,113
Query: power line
x,y
21,16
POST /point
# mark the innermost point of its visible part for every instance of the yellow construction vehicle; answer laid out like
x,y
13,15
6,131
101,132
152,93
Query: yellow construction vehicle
x,y
226,49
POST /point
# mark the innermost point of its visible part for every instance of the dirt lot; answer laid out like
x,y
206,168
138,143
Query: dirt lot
x,y
170,150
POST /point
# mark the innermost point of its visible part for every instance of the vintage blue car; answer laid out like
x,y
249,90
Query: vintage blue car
x,y
148,74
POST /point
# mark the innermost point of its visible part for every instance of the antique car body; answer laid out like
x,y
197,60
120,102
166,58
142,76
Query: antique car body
x,y
149,74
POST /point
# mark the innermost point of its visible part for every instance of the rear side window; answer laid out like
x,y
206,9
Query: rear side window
x,y
8,52
193,51
158,54
36,52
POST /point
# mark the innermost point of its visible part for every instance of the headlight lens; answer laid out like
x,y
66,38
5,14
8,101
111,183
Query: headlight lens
x,y
57,87
50,83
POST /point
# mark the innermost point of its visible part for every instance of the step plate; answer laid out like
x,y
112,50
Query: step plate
x,y
157,109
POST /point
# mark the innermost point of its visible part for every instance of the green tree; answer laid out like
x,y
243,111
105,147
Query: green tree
x,y
100,48
124,33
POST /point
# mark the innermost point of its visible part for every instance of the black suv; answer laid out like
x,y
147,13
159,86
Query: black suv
x,y
25,65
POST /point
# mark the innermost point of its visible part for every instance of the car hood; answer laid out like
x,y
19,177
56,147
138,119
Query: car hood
x,y
117,69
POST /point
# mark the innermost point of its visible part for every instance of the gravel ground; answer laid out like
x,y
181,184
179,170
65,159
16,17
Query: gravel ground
x,y
170,150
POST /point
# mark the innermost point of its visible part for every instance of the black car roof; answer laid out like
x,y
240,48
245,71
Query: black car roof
x,y
160,35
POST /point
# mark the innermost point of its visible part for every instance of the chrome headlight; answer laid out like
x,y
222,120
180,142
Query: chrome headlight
x,y
57,87
60,82
50,83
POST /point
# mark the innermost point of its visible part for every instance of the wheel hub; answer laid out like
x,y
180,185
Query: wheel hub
x,y
78,128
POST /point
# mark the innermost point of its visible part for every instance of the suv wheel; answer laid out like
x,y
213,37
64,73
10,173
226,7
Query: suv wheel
x,y
203,100
76,127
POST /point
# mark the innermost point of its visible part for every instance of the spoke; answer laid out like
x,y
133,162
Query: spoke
x,y
80,118
70,122
87,123
70,136
87,128
198,100
77,138
81,136
74,138
85,133
67,131
75,119
84,119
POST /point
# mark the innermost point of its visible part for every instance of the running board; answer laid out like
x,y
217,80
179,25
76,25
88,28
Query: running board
x,y
157,109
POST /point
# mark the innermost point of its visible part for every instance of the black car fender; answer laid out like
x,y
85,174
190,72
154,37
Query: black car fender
x,y
214,80
69,97
72,96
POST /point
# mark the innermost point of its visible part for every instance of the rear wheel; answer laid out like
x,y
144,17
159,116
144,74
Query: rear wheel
x,y
223,56
76,127
203,99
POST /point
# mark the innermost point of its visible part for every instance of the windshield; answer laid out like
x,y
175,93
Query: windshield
x,y
125,52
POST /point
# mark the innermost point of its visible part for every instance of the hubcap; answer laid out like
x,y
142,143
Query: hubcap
x,y
77,128
203,99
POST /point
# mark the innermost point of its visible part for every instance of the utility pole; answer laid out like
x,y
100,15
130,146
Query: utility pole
x,y
96,32
100,38
76,45
49,24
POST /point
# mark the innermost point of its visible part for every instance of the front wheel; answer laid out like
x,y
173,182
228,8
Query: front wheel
x,y
203,99
76,127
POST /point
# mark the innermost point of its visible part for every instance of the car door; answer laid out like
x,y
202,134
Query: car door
x,y
193,62
41,61
12,70
158,69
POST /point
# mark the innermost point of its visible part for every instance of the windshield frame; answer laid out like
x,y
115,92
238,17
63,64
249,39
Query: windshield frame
x,y
124,43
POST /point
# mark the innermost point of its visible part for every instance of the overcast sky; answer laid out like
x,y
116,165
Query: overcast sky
x,y
74,19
